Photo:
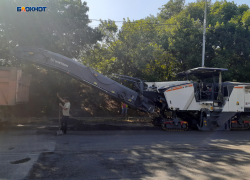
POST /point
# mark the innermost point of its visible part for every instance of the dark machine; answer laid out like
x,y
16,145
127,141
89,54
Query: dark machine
x,y
205,103
87,75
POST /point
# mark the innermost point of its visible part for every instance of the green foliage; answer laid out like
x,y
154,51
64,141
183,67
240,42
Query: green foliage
x,y
156,48
62,28
246,19
228,40
173,7
133,51
196,10
185,41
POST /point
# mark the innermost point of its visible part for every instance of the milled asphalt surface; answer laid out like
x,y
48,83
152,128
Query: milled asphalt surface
x,y
37,153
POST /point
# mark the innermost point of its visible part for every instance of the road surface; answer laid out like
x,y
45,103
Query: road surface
x,y
33,153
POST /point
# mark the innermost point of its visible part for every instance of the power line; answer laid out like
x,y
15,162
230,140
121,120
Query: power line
x,y
106,20
158,24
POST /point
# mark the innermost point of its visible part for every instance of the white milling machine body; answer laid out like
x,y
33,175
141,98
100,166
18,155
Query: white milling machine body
x,y
206,104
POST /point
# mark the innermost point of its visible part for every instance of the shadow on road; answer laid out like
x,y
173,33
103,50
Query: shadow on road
x,y
187,155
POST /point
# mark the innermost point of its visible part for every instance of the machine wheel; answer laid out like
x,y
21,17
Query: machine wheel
x,y
246,125
184,126
163,126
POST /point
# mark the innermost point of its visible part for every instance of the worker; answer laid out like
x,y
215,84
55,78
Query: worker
x,y
65,112
124,109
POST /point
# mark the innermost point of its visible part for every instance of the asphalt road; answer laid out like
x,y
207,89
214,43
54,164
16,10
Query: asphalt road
x,y
39,154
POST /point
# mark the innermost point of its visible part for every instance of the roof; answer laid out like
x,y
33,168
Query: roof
x,y
202,71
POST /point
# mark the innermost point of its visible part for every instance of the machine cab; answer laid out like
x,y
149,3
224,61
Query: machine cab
x,y
208,86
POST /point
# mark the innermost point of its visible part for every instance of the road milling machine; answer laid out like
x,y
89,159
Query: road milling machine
x,y
207,104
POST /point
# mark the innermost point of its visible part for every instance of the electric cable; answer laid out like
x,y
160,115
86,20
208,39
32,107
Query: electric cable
x,y
161,24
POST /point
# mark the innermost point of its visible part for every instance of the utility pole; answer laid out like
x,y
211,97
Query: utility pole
x,y
204,34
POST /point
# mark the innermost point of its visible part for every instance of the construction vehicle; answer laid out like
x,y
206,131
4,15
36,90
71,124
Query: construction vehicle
x,y
205,104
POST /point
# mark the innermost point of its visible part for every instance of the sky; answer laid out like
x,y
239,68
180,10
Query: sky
x,y
132,9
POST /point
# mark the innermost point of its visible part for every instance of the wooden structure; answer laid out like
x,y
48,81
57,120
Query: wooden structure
x,y
14,86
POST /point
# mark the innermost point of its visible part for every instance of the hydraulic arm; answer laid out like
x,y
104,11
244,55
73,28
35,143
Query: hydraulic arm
x,y
85,74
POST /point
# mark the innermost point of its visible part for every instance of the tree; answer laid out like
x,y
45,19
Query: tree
x,y
173,7
133,51
230,39
184,40
62,28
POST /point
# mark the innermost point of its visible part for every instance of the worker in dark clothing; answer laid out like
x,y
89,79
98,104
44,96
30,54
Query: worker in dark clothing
x,y
65,112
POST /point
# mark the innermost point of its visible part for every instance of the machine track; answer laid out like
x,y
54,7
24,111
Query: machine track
x,y
171,126
239,127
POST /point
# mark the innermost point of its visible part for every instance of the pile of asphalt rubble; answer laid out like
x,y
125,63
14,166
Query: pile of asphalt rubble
x,y
76,125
